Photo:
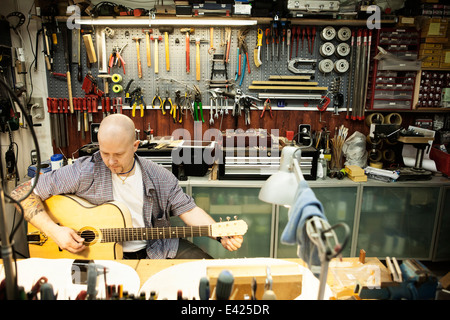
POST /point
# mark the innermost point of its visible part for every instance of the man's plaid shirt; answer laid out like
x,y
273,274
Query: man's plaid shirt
x,y
89,178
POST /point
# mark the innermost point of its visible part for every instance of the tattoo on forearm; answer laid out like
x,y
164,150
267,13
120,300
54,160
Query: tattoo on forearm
x,y
32,205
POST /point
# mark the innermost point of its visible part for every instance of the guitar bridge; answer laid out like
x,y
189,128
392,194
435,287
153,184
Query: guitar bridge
x,y
36,238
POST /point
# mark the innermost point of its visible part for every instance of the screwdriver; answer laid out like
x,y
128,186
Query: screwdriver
x,y
267,43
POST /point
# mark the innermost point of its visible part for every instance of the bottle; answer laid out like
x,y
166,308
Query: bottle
x,y
323,164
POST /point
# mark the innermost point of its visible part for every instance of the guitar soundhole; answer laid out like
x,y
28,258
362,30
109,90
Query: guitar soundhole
x,y
89,236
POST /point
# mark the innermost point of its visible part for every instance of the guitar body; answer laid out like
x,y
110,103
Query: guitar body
x,y
87,219
106,226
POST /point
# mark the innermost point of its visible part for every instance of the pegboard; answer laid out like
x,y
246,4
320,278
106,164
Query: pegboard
x,y
178,79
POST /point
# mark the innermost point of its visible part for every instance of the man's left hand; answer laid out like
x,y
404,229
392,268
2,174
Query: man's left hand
x,y
232,243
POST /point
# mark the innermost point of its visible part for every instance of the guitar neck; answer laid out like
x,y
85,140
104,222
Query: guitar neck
x,y
133,234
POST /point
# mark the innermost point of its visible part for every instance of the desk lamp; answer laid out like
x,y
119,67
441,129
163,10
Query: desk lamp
x,y
284,188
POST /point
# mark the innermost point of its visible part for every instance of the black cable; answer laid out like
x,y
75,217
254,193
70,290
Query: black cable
x,y
33,134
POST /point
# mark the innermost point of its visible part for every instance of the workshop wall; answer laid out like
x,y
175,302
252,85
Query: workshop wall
x,y
288,113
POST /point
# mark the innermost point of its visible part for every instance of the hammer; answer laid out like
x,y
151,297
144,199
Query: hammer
x,y
188,31
147,43
156,38
197,57
166,30
138,56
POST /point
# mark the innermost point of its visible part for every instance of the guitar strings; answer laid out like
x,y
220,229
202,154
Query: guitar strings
x,y
129,234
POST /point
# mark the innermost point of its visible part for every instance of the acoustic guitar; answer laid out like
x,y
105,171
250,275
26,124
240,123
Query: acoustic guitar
x,y
105,227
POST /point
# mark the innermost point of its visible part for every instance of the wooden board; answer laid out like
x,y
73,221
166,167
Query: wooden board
x,y
286,83
287,279
274,77
287,88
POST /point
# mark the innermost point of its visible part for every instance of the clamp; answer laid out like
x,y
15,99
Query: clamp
x,y
323,105
267,105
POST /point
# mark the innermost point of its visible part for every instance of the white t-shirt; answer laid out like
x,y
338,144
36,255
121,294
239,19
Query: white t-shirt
x,y
130,192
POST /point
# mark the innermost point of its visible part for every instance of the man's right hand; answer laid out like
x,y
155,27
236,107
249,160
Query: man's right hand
x,y
67,239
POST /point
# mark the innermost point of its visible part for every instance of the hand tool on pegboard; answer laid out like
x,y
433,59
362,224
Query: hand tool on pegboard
x,y
116,59
267,33
197,42
53,119
257,50
137,40
76,52
48,53
349,80
228,43
188,32
166,30
67,60
293,35
156,51
147,46
242,55
211,49
198,107
267,106
157,101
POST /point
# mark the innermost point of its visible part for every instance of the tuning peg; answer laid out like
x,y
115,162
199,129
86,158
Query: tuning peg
x,y
228,218
235,217
220,219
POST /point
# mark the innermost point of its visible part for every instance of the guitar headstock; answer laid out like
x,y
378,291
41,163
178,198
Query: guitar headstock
x,y
229,228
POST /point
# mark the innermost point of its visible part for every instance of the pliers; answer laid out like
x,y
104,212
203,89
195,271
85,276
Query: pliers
x,y
198,104
242,50
158,98
173,110
267,105
138,99
167,101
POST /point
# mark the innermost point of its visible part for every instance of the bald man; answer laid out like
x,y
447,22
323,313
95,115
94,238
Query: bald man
x,y
116,173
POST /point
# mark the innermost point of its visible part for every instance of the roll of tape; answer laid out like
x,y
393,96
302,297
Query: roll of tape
x,y
341,66
116,78
326,66
394,118
327,49
375,155
389,155
328,33
344,33
342,49
117,88
374,118
376,164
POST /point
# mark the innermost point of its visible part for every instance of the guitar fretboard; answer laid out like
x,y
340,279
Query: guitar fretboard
x,y
133,234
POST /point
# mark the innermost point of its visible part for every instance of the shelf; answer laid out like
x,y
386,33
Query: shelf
x,y
145,20
420,110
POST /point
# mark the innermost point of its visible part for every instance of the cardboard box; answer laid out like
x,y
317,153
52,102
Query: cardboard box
x,y
354,170
434,27
431,64
430,46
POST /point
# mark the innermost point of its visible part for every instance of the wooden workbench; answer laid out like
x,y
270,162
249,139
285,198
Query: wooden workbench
x,y
341,275
340,270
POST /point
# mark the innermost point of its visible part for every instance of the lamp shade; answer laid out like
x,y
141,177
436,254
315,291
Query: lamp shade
x,y
280,187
